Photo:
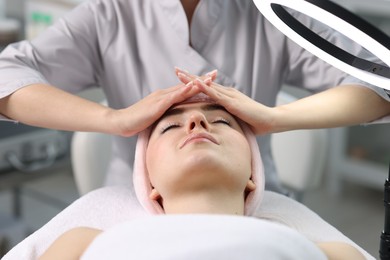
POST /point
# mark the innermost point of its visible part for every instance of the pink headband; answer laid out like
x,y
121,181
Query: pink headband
x,y
143,187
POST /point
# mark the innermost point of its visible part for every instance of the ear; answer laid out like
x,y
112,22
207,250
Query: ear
x,y
155,195
250,186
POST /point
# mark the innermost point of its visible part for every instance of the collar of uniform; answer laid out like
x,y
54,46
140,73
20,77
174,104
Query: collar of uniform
x,y
176,15
210,12
203,22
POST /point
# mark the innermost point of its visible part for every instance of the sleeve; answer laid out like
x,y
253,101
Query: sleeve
x,y
65,55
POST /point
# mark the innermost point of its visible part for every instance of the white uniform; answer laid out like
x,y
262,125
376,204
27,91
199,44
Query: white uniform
x,y
130,47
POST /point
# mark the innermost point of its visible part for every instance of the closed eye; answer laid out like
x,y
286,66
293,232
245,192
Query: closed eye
x,y
221,121
169,126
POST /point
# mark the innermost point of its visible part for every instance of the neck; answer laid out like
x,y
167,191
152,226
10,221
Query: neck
x,y
205,203
189,7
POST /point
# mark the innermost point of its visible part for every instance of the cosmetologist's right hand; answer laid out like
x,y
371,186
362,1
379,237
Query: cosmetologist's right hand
x,y
132,120
144,113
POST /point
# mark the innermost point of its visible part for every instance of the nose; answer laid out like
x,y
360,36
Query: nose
x,y
197,121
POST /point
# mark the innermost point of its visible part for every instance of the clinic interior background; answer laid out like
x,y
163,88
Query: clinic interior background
x,y
349,195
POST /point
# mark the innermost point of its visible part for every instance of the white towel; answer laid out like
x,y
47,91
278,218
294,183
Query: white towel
x,y
102,209
106,207
197,236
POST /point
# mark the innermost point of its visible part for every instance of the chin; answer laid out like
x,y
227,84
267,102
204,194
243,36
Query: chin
x,y
203,159
207,168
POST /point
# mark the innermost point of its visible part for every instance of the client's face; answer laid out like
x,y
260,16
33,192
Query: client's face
x,y
196,147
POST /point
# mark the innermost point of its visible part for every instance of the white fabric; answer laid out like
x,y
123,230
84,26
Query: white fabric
x,y
110,206
130,48
193,237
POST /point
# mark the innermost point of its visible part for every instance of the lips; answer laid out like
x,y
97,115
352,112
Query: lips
x,y
201,137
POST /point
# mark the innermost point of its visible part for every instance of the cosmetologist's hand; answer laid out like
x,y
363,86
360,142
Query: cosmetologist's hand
x,y
139,116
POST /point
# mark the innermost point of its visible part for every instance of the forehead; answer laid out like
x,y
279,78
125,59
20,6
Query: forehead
x,y
201,106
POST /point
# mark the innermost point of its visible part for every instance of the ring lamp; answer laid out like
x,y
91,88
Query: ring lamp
x,y
343,21
355,29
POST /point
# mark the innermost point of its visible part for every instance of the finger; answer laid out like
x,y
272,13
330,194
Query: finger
x,y
172,89
214,93
215,90
181,94
220,87
213,74
166,93
185,76
177,70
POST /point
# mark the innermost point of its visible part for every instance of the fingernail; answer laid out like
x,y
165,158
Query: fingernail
x,y
212,73
180,74
208,80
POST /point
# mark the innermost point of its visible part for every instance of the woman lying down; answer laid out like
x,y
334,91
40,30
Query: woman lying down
x,y
198,172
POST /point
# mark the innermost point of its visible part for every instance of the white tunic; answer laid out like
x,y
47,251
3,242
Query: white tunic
x,y
130,47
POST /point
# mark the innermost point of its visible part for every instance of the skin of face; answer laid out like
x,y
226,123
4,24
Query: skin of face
x,y
198,148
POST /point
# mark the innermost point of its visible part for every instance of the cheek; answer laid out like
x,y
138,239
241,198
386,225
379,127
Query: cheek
x,y
157,160
241,152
